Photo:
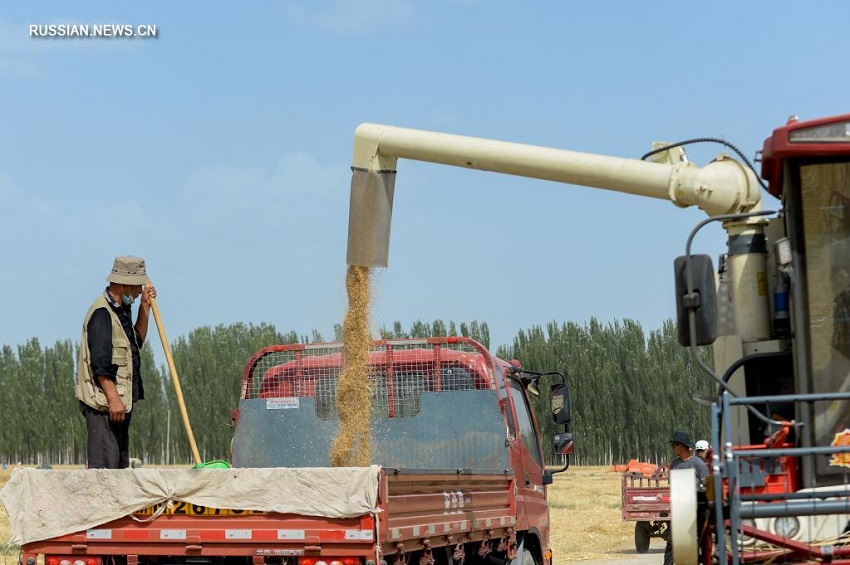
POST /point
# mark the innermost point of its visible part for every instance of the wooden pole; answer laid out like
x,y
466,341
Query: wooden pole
x,y
176,381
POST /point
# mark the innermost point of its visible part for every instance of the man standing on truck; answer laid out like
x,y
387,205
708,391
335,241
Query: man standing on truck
x,y
682,445
108,379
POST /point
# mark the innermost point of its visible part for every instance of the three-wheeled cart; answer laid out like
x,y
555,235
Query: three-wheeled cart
x,y
646,501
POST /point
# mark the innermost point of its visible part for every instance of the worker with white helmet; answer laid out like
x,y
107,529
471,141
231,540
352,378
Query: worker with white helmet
x,y
702,449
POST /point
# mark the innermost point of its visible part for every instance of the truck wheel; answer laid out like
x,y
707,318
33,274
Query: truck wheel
x,y
642,537
527,559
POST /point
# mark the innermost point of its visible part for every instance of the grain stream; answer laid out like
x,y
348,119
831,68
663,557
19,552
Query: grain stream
x,y
350,447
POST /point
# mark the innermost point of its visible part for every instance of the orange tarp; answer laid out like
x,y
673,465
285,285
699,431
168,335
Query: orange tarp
x,y
635,466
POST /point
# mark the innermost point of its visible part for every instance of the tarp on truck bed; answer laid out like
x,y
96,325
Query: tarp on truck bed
x,y
43,503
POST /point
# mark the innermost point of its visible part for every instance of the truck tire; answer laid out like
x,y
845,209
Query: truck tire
x,y
526,559
641,537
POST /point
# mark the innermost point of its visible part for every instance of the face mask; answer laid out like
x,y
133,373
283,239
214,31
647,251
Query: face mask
x,y
127,299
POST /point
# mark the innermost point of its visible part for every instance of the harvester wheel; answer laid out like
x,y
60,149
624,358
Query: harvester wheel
x,y
683,516
642,537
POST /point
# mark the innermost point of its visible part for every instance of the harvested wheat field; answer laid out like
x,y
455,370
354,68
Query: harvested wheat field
x,y
586,523
586,520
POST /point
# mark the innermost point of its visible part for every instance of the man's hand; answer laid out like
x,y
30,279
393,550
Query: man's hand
x,y
148,292
117,410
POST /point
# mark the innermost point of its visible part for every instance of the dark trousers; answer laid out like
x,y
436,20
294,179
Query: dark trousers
x,y
668,549
107,443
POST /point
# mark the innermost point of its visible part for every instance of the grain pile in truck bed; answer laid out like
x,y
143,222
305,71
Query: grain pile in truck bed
x,y
351,445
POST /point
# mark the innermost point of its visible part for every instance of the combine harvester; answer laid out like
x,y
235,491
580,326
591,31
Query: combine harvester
x,y
781,419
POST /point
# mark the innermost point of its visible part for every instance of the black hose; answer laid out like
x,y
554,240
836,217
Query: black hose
x,y
708,140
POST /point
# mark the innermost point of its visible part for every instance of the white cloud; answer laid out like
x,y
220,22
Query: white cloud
x,y
19,208
16,54
352,16
7,189
268,231
224,189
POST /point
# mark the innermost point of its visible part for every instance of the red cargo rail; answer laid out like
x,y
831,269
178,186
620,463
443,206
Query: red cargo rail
x,y
645,498
646,501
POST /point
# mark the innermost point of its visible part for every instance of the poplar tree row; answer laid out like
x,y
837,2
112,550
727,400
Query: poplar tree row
x,y
630,391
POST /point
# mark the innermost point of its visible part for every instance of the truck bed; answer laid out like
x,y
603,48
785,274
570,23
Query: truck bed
x,y
365,512
645,498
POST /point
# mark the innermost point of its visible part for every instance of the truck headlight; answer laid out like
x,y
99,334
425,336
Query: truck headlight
x,y
786,526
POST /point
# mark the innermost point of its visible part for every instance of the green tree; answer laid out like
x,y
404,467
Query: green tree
x,y
65,443
629,390
148,427
210,364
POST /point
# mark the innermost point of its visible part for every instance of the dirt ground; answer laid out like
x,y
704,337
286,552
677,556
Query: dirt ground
x,y
586,521
655,556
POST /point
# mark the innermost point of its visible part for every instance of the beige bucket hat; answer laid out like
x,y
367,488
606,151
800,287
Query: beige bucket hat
x,y
128,270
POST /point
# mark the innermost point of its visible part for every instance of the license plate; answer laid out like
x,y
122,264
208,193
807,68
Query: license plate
x,y
180,508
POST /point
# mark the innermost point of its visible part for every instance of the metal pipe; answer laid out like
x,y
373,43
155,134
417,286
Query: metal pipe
x,y
773,497
747,264
788,452
802,398
794,508
722,186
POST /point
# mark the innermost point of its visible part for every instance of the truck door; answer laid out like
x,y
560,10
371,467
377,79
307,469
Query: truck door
x,y
528,460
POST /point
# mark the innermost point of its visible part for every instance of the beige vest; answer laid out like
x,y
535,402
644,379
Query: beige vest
x,y
86,388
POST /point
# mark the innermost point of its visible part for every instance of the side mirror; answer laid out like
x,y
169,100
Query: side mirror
x,y
563,443
559,400
702,301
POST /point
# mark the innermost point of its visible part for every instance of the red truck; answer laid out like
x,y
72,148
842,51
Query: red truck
x,y
458,473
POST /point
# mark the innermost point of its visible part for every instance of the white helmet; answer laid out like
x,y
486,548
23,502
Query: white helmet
x,y
701,445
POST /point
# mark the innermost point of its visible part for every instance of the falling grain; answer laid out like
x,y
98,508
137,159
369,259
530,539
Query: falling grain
x,y
351,446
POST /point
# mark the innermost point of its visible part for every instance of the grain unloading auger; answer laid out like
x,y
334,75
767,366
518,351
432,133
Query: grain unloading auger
x,y
724,186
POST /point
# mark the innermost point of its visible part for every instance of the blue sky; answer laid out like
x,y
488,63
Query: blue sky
x,y
220,151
